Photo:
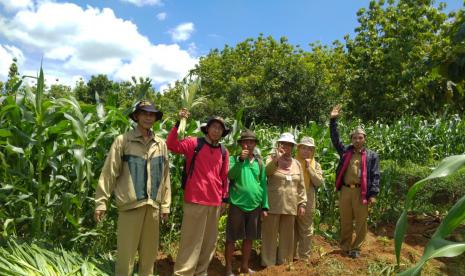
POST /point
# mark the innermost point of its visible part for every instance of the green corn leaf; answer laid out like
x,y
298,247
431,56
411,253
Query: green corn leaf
x,y
5,133
39,92
13,149
437,246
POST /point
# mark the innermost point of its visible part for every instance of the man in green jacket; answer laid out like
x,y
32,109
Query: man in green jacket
x,y
136,171
248,200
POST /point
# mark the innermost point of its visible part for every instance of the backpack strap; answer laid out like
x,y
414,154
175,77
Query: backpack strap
x,y
200,143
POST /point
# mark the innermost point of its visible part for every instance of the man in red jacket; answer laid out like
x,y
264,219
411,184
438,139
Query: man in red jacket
x,y
206,190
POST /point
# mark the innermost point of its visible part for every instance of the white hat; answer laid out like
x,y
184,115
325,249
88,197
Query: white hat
x,y
287,137
307,141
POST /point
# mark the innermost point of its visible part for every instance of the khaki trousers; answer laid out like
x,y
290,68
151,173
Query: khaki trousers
x,y
304,231
351,208
277,227
199,232
137,231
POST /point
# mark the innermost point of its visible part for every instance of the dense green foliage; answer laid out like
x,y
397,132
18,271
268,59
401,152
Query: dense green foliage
x,y
405,58
52,151
401,76
36,259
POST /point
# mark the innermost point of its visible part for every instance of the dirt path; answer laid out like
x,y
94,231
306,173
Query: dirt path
x,y
377,257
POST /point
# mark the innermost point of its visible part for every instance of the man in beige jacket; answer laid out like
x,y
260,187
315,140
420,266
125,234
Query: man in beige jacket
x,y
137,172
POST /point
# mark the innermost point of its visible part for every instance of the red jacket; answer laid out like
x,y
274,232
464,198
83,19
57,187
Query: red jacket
x,y
208,184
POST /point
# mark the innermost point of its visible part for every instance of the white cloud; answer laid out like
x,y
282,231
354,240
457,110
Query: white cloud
x,y
182,32
161,16
93,41
14,5
164,62
7,53
192,48
141,3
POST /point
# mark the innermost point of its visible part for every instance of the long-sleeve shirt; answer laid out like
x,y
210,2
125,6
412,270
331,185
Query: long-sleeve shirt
x,y
372,160
286,191
208,184
313,177
248,184
137,172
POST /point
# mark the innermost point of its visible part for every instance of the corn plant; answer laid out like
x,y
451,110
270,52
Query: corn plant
x,y
189,100
32,259
438,246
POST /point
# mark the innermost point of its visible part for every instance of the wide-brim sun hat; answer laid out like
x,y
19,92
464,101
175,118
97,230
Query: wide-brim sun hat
x,y
248,134
287,137
218,119
307,141
146,106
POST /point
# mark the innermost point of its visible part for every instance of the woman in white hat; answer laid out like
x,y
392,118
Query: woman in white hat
x,y
286,200
313,177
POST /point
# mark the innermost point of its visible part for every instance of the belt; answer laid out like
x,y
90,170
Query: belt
x,y
352,186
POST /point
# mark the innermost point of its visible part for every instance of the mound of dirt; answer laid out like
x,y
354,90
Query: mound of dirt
x,y
377,256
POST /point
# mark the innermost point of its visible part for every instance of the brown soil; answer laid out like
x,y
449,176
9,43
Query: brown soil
x,y
377,256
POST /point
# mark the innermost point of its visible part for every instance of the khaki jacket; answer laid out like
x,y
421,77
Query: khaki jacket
x,y
285,191
316,179
137,172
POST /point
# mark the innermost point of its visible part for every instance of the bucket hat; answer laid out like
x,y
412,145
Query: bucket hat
x,y
215,119
146,106
307,141
248,134
287,137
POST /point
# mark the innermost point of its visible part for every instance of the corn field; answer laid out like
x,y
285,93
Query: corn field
x,y
52,150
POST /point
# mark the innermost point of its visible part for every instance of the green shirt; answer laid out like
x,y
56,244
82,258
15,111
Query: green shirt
x,y
248,186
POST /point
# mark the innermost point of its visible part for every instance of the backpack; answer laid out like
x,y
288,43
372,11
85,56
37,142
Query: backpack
x,y
186,174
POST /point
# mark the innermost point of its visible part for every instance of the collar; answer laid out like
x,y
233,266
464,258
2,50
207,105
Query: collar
x,y
135,134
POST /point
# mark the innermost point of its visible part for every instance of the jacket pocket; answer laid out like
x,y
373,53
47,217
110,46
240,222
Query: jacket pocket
x,y
138,171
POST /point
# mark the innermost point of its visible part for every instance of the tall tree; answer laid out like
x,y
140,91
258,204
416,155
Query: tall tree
x,y
387,59
13,78
274,81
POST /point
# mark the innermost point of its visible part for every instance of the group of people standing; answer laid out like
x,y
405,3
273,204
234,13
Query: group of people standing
x,y
272,199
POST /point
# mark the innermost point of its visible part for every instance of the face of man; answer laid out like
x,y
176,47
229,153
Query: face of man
x,y
215,131
306,151
248,145
358,141
145,119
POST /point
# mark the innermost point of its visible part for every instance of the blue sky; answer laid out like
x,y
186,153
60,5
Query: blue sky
x,y
161,39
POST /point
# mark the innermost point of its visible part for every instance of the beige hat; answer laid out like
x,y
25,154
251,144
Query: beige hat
x,y
358,130
287,137
307,141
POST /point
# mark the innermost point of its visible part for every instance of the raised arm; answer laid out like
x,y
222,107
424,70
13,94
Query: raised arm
x,y
174,144
335,112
